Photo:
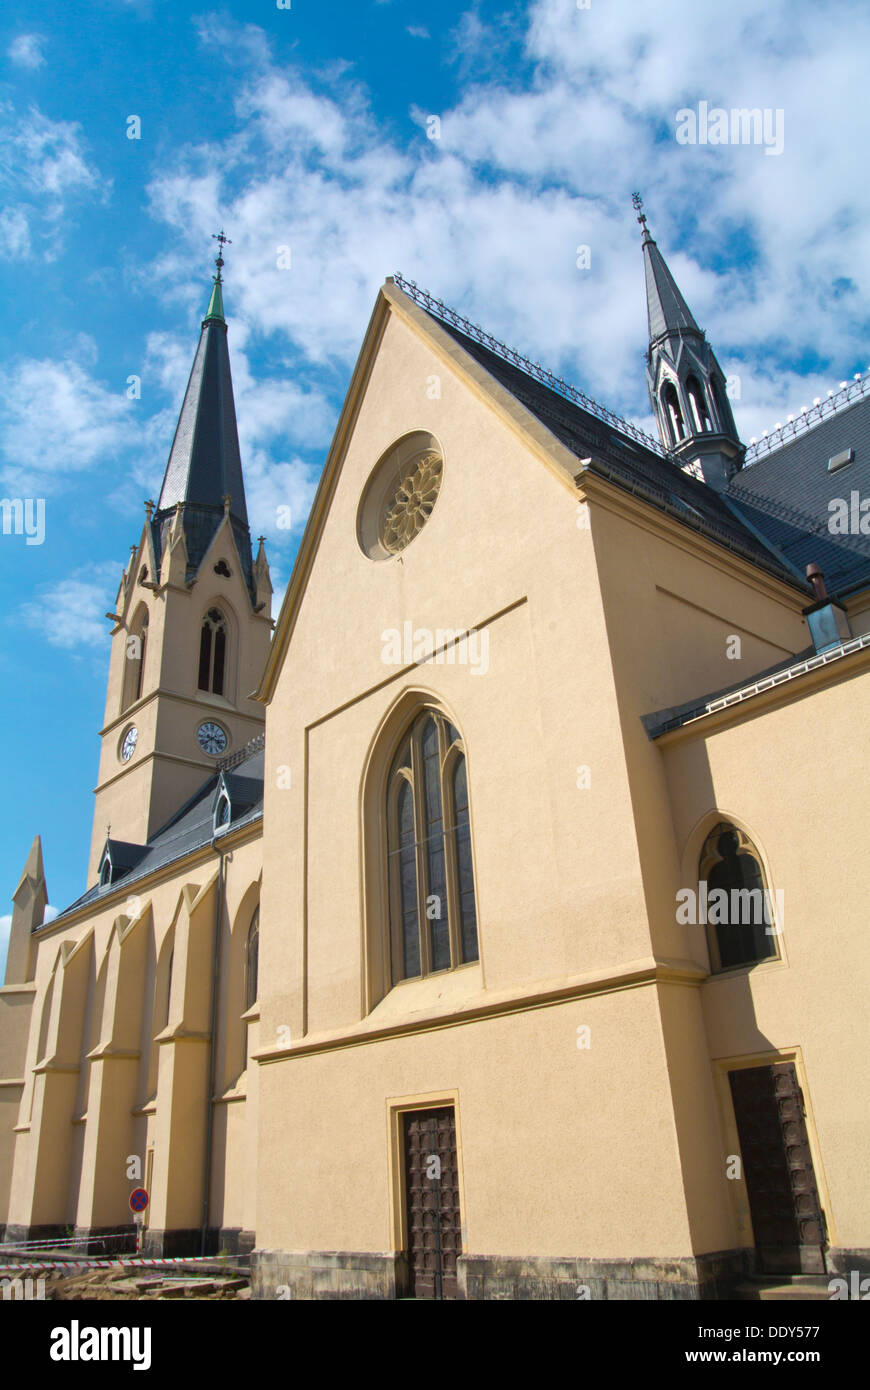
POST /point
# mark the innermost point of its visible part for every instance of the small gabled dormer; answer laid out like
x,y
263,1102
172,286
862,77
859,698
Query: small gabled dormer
x,y
118,859
222,814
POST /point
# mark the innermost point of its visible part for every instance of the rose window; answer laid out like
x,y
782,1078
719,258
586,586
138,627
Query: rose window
x,y
408,505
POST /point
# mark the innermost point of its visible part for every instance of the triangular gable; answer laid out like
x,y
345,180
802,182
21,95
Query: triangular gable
x,y
532,431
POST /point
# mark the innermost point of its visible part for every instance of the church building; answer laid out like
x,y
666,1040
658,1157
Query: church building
x,y
491,923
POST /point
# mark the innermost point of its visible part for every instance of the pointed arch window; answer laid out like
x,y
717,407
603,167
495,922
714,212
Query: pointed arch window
x,y
673,412
134,659
140,671
698,405
252,957
741,921
213,652
432,906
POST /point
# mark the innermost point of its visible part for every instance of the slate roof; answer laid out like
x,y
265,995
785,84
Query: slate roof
x,y
204,462
789,669
667,310
785,495
191,828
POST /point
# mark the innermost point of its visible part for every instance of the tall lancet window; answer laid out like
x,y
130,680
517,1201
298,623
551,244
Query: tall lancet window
x,y
134,659
252,958
700,413
433,914
213,652
673,413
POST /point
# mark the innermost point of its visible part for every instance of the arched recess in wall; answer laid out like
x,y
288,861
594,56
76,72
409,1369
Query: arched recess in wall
x,y
236,1005
45,1015
217,651
91,1031
160,1006
135,647
146,1022
420,907
723,853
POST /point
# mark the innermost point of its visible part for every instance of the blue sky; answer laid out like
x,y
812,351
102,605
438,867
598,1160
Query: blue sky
x,y
307,127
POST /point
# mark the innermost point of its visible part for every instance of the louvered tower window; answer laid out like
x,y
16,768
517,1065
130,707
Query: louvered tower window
x,y
213,652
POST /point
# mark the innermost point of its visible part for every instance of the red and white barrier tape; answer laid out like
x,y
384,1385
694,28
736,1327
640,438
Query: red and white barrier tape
x,y
139,1263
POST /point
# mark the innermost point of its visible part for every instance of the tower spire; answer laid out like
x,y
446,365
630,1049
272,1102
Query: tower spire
x,y
686,384
205,463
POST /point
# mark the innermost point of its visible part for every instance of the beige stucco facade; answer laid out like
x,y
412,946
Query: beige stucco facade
x,y
586,1053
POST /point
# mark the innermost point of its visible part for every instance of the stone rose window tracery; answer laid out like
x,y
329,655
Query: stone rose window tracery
x,y
407,509
400,495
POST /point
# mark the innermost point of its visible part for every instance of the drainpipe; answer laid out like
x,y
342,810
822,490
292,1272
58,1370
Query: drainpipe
x,y
212,1050
827,619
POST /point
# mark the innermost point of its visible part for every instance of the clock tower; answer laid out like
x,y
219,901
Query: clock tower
x,y
192,619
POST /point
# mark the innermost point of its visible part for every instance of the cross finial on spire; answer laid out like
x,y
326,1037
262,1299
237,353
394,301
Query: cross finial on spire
x,y
222,241
637,203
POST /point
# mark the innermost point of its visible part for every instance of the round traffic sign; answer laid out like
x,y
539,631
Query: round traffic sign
x,y
138,1199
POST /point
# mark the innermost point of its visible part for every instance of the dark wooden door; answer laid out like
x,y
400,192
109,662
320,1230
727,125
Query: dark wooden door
x,y
787,1217
432,1202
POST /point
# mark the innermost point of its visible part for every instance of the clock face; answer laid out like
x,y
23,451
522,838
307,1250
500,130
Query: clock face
x,y
211,738
129,744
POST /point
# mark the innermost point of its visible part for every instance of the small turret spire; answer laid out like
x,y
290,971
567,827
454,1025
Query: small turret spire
x,y
686,384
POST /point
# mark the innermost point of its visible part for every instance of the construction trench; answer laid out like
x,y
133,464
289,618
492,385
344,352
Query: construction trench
x,y
54,1273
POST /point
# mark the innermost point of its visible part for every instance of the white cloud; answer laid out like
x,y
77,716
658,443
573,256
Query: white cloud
x,y
417,31
45,165
56,418
25,51
490,216
15,233
71,613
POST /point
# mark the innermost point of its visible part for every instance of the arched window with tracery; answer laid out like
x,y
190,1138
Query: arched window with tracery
x,y
673,412
252,957
741,922
134,659
213,652
698,404
432,907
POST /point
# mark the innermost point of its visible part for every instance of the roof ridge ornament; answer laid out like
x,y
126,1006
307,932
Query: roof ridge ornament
x,y
222,242
637,204
439,310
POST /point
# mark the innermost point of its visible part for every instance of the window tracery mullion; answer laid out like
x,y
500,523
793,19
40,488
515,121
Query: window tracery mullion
x,y
451,867
420,839
394,869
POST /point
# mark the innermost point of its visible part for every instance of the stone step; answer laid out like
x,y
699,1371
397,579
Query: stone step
x,y
788,1288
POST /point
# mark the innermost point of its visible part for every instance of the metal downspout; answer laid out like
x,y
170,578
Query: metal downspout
x,y
212,1050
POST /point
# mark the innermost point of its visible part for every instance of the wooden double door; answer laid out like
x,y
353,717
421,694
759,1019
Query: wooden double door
x,y
787,1216
432,1216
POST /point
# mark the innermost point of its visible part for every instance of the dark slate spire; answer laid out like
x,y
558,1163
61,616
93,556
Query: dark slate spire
x,y
205,466
686,384
666,308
